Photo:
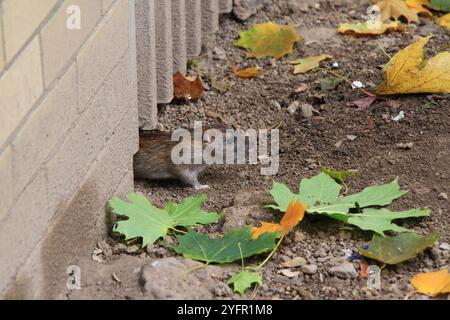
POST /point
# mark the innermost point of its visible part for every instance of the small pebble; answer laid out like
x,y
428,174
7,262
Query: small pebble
x,y
306,110
309,269
293,107
443,196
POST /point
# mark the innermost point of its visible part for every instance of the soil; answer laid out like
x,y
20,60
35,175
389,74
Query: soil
x,y
422,169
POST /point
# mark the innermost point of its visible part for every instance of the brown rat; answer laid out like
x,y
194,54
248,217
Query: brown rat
x,y
153,160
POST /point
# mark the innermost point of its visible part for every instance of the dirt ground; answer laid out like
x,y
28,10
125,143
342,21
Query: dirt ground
x,y
239,190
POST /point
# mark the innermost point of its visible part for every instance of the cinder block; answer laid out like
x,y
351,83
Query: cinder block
x,y
164,57
146,62
179,36
22,228
225,6
59,43
44,128
210,21
103,50
2,51
20,87
20,20
95,126
6,182
193,27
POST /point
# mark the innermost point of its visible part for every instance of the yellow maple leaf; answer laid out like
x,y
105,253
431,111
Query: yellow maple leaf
x,y
432,283
363,28
294,214
418,5
444,21
245,73
396,9
268,40
409,72
303,65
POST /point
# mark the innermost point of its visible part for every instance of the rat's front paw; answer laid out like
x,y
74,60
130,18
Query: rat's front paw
x,y
201,186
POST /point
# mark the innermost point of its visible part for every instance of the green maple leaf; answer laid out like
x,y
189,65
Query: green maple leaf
x,y
243,280
443,5
235,244
151,223
380,220
189,212
393,250
321,194
376,195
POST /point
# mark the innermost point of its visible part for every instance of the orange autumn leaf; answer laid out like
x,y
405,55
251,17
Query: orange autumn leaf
x,y
245,73
419,6
432,283
294,214
267,227
186,87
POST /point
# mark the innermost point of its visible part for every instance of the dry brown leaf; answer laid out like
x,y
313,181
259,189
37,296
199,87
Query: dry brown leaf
x,y
432,283
396,9
245,73
186,87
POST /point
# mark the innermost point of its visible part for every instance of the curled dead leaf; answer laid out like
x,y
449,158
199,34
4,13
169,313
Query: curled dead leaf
x,y
245,73
186,87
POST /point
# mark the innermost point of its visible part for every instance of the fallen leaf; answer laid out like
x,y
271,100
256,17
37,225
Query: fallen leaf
x,y
267,227
185,88
245,73
364,103
444,21
409,72
243,280
363,28
418,5
393,250
328,84
294,214
322,196
339,176
151,223
432,283
268,40
303,65
234,245
442,5
296,262
396,9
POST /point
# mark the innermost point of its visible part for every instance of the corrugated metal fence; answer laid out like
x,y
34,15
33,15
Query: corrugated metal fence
x,y
168,33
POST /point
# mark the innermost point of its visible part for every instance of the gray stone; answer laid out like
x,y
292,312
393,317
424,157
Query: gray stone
x,y
306,110
164,279
345,270
443,196
309,269
293,107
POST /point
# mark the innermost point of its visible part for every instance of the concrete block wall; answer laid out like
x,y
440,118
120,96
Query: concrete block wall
x,y
68,132
174,31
